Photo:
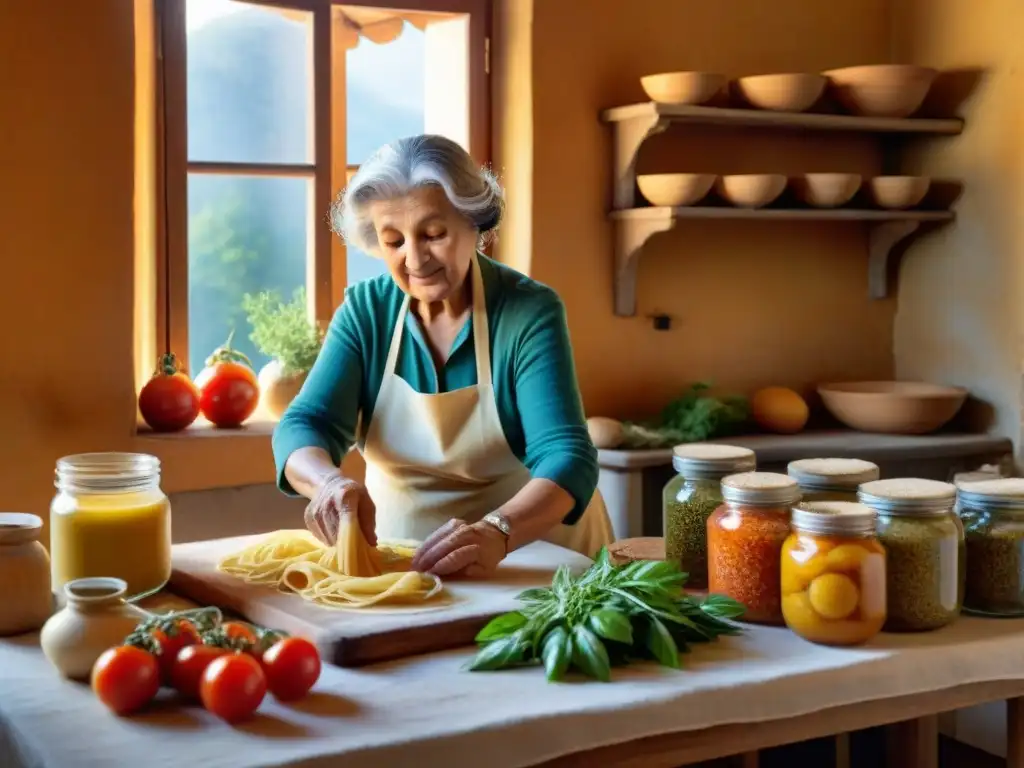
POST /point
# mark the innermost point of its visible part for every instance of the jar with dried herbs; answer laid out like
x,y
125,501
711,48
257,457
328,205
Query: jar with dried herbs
x,y
745,538
831,479
690,498
833,574
992,512
924,544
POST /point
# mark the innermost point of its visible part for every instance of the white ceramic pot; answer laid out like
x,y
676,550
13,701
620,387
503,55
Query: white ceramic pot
x,y
278,389
95,618
25,598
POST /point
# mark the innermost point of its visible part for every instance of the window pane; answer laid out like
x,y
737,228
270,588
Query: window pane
x,y
245,234
249,83
384,92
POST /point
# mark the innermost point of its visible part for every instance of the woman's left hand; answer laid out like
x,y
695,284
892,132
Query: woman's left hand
x,y
460,548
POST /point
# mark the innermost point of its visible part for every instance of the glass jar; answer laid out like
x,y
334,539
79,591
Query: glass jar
x,y
833,574
110,518
745,538
831,479
691,497
992,512
924,544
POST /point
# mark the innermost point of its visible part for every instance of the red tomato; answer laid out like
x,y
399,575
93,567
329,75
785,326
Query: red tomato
x,y
180,634
170,401
228,389
125,678
239,630
292,666
233,686
191,662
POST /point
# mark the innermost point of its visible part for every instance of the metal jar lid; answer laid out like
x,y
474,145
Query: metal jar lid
x,y
761,489
832,473
711,460
834,518
1005,492
908,496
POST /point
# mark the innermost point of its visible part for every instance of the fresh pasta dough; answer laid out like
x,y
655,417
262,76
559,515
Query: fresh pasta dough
x,y
352,574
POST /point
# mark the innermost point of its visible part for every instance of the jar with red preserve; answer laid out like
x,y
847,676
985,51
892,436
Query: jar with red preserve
x,y
745,538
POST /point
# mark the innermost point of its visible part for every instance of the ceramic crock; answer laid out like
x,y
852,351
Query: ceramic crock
x,y
25,599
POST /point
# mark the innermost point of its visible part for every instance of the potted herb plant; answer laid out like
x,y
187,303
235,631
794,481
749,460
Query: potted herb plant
x,y
284,332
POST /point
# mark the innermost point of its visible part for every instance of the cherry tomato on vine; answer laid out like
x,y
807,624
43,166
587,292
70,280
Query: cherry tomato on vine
x,y
169,401
125,678
189,666
292,666
180,634
233,686
228,388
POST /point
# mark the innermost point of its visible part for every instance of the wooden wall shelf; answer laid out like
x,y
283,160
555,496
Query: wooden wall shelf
x,y
634,124
634,227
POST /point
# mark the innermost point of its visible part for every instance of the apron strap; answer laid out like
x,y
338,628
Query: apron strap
x,y
396,339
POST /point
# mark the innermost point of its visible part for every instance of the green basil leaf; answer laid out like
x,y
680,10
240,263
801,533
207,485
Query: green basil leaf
x,y
602,559
536,595
498,654
557,653
661,644
612,625
562,580
501,626
589,654
722,607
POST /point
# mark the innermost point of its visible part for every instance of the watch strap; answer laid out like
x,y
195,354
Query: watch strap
x,y
499,521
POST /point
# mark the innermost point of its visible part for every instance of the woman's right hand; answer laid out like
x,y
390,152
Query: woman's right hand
x,y
335,496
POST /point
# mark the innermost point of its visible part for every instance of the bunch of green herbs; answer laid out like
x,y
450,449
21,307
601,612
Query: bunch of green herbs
x,y
691,418
605,617
282,330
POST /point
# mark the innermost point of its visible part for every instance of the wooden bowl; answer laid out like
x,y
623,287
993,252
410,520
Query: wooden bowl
x,y
751,190
682,87
898,192
881,90
826,190
675,189
641,548
892,407
782,93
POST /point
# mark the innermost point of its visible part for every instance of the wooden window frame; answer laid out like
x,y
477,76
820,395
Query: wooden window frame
x,y
326,273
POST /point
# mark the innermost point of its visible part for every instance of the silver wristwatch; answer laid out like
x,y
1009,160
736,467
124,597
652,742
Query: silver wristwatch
x,y
500,522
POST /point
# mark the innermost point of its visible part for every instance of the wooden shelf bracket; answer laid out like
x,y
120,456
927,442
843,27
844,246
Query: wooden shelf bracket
x,y
630,237
628,136
883,238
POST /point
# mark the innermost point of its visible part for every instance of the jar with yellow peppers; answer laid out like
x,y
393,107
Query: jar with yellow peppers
x,y
992,512
690,498
924,546
745,538
831,479
833,574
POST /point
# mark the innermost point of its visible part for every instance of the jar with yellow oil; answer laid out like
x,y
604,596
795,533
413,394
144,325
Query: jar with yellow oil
x,y
110,518
833,574
831,479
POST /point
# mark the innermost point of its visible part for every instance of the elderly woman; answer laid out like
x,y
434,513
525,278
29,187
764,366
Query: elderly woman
x,y
452,373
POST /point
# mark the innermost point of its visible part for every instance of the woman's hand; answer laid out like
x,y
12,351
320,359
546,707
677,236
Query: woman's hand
x,y
335,496
463,549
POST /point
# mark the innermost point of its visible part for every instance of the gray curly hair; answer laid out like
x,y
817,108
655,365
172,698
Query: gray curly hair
x,y
397,168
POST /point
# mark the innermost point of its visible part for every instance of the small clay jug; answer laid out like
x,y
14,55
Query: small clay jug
x,y
95,618
25,599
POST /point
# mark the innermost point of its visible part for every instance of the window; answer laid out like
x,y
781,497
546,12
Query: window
x,y
268,107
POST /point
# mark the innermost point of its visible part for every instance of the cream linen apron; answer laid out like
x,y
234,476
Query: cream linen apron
x,y
431,458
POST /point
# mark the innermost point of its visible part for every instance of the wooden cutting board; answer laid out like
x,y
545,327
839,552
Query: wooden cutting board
x,y
355,638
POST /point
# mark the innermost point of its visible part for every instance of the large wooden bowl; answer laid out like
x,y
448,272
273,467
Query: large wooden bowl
x,y
892,407
826,190
674,189
751,190
682,87
881,90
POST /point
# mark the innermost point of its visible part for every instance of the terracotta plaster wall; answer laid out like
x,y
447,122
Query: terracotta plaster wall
x,y
960,316
752,303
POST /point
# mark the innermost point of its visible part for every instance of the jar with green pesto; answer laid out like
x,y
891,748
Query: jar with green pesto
x,y
992,512
831,479
691,496
924,544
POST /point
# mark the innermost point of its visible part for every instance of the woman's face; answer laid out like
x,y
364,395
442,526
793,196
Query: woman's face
x,y
427,244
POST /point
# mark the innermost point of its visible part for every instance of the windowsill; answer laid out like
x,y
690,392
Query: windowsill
x,y
203,430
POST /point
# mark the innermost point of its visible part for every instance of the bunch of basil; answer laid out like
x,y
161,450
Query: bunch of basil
x,y
603,618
